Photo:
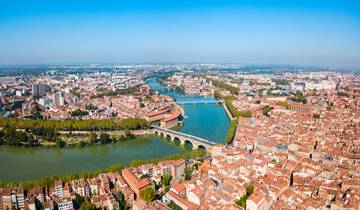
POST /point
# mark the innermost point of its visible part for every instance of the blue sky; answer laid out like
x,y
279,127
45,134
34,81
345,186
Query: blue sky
x,y
300,32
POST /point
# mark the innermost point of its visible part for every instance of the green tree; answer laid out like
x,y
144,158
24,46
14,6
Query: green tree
x,y
78,201
298,97
166,179
87,205
120,197
242,201
316,116
220,84
266,110
231,132
79,113
115,168
245,113
143,176
172,205
60,143
250,189
104,138
11,185
69,125
234,112
188,173
283,104
92,138
199,152
148,194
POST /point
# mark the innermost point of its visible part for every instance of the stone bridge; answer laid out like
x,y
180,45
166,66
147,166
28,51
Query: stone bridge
x,y
195,141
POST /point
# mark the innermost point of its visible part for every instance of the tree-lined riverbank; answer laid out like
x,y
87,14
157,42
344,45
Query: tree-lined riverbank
x,y
75,125
24,163
31,133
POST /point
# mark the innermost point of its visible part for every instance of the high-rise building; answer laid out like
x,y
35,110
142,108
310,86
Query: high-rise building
x,y
59,99
38,89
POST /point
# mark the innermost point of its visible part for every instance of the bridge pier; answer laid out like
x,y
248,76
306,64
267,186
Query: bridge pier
x,y
182,138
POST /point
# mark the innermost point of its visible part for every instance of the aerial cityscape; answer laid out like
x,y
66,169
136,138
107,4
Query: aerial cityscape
x,y
179,106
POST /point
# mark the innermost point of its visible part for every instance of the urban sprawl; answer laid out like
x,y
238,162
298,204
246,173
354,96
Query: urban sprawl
x,y
293,141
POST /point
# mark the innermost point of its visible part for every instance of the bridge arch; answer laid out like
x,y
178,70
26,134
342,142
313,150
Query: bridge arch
x,y
202,147
183,139
177,141
188,145
168,137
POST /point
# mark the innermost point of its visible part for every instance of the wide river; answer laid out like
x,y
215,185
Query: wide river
x,y
18,164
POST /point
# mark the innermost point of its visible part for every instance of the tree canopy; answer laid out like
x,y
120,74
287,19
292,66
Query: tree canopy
x,y
148,194
266,110
166,179
283,104
231,132
9,136
173,206
223,85
249,191
87,205
73,125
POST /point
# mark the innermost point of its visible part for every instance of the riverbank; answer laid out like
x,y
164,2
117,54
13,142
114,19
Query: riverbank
x,y
231,111
29,163
208,122
228,113
32,133
49,181
75,125
68,138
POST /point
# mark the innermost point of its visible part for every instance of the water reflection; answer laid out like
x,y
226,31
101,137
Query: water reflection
x,y
104,150
24,163
59,152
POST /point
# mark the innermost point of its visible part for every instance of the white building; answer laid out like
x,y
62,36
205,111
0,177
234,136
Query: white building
x,y
320,85
59,99
65,204
297,86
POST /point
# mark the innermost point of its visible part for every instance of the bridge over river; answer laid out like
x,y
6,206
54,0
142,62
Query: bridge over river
x,y
194,102
197,142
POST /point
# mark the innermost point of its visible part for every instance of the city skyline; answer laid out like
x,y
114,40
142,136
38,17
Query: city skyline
x,y
309,33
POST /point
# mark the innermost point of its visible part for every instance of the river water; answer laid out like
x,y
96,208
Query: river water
x,y
206,121
18,164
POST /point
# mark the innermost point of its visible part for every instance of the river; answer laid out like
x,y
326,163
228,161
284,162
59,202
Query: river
x,y
206,121
20,163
